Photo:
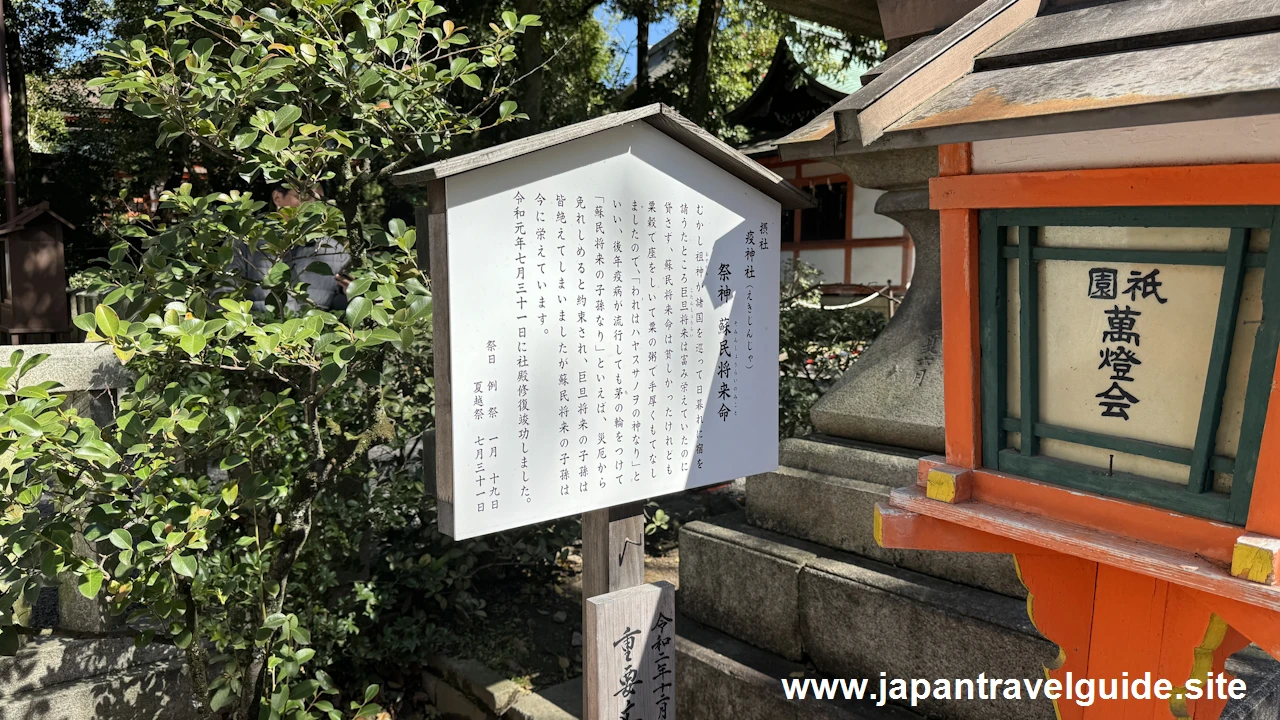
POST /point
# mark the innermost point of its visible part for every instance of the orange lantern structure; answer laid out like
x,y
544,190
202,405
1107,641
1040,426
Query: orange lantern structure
x,y
1109,185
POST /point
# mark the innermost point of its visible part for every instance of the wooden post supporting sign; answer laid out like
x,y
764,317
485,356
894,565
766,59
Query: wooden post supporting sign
x,y
612,549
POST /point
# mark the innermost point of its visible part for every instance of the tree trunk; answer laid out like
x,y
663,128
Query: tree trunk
x,y
295,520
18,101
297,527
197,658
531,60
644,13
704,33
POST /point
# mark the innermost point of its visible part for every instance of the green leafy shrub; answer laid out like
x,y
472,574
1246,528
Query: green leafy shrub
x,y
251,423
381,587
817,345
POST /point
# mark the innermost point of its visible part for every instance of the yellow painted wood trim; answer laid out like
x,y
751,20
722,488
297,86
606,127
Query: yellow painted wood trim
x,y
1201,664
948,485
1255,558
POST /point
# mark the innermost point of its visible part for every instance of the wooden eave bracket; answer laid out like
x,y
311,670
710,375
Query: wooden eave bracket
x,y
1048,534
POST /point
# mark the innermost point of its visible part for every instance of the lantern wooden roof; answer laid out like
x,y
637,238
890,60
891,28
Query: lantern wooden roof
x,y
1010,69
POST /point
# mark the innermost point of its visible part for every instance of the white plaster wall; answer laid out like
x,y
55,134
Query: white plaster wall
x,y
876,265
866,223
829,262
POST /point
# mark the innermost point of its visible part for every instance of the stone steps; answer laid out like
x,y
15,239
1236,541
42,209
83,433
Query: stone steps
x,y
144,692
720,677
57,678
1262,674
854,618
48,661
825,492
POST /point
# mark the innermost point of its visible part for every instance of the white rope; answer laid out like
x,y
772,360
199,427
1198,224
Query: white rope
x,y
856,303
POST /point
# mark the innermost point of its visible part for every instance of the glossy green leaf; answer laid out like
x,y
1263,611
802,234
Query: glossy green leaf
x,y
107,320
357,310
193,344
121,539
96,451
86,322
222,698
184,565
90,583
26,424
286,116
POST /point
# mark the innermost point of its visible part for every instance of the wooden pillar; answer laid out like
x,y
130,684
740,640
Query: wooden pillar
x,y
960,348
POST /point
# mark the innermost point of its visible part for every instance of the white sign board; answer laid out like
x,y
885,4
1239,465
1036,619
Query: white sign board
x,y
611,330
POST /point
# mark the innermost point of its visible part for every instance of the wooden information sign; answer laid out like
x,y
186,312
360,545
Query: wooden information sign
x,y
606,331
606,319
629,655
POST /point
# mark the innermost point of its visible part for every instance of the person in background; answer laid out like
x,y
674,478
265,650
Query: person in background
x,y
325,290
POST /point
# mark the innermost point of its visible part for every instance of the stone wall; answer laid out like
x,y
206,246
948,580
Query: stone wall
x,y
62,678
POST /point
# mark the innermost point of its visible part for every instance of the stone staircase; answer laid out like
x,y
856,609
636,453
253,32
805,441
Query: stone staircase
x,y
69,679
800,577
826,482
799,584
721,677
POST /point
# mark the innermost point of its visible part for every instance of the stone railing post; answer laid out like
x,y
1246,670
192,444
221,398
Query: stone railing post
x,y
90,375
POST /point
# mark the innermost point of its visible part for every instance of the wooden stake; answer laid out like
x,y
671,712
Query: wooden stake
x,y
612,559
629,653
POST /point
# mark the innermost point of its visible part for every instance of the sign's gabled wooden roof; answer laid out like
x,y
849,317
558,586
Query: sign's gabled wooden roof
x,y
660,116
1009,70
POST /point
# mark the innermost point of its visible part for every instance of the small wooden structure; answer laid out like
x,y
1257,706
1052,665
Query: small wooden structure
x,y
1109,189
33,279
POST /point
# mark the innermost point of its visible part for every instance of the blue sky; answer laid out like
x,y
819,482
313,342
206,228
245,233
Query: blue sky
x,y
624,35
